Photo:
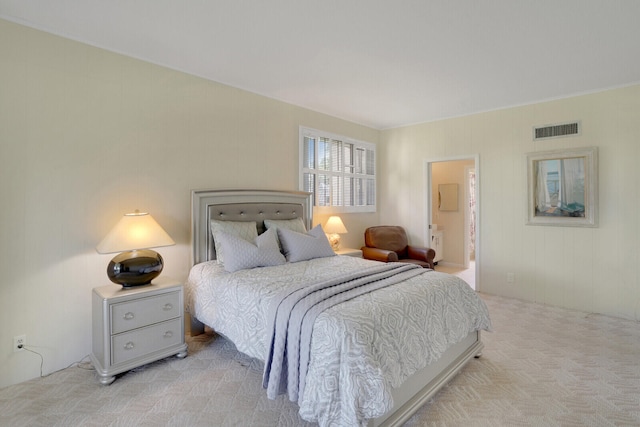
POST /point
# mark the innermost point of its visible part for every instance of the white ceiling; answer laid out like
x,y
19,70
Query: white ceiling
x,y
380,63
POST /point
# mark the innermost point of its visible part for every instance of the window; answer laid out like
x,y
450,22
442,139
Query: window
x,y
338,171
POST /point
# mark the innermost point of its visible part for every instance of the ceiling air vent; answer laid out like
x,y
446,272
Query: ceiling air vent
x,y
556,131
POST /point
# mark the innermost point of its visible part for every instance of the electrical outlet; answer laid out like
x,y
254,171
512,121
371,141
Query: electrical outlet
x,y
510,278
19,342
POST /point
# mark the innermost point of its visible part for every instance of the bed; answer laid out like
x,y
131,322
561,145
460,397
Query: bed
x,y
370,353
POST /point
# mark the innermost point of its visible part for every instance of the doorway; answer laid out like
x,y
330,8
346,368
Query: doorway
x,y
455,231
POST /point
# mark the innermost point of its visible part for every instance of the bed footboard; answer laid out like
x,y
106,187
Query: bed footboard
x,y
423,385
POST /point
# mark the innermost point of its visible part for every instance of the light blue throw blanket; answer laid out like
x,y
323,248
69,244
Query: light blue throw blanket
x,y
292,315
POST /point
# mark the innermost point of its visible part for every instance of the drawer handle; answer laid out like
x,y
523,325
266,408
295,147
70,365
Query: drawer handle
x,y
168,334
167,307
128,316
129,346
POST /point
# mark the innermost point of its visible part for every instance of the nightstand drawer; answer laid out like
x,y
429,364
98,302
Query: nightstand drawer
x,y
145,311
140,342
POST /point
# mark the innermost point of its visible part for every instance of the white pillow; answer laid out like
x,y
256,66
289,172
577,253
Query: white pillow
x,y
304,246
296,224
247,230
240,254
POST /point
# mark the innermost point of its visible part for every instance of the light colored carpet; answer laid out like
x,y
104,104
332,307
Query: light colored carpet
x,y
542,366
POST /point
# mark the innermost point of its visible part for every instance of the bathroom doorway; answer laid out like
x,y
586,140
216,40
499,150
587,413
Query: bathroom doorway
x,y
454,230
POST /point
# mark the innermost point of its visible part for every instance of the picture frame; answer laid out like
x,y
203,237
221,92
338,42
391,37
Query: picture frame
x,y
563,187
448,197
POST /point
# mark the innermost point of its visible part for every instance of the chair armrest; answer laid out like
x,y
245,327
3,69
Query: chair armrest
x,y
422,253
379,254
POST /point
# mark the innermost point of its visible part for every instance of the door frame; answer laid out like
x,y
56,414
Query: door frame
x,y
427,163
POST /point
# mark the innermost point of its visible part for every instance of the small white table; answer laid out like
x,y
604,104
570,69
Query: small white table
x,y
135,326
349,252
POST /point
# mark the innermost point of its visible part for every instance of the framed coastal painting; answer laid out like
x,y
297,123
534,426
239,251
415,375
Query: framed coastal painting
x,y
563,187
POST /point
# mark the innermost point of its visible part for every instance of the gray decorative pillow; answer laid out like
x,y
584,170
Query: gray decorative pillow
x,y
296,224
247,230
304,246
240,254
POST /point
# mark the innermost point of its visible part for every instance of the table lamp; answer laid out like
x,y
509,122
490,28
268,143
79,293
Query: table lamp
x,y
333,228
133,235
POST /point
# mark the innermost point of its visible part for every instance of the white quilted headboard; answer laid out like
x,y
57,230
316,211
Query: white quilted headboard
x,y
241,205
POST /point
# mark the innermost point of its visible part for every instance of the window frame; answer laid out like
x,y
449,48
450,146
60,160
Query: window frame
x,y
339,174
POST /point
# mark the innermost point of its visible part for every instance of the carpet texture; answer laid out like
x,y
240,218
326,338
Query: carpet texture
x,y
542,366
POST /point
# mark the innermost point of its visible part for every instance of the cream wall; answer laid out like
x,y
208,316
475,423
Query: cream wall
x,y
87,135
590,269
451,222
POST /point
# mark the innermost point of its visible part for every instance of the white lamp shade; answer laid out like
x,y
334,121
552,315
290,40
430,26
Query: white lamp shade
x,y
134,231
334,225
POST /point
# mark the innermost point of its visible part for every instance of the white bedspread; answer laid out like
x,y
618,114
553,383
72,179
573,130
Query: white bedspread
x,y
361,348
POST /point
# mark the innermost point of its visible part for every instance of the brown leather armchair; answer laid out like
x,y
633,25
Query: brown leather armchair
x,y
388,243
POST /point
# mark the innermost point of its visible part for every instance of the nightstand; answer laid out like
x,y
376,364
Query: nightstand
x,y
135,326
349,252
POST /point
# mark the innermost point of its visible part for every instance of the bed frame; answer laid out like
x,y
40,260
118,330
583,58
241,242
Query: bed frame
x,y
258,205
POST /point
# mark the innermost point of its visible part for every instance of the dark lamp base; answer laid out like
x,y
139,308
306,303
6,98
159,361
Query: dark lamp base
x,y
135,268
